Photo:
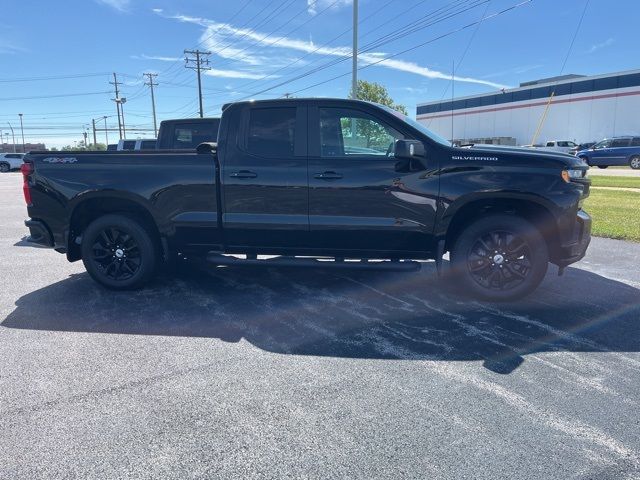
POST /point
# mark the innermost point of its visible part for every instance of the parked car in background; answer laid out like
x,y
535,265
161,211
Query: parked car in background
x,y
616,151
581,146
10,161
112,147
125,144
187,133
563,146
145,144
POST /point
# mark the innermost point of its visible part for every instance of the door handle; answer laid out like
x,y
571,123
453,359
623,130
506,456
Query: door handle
x,y
243,174
328,176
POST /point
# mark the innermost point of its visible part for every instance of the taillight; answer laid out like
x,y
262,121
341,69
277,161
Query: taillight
x,y
26,169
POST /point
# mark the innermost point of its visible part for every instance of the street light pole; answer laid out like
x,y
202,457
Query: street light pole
x,y
13,136
22,130
106,135
354,66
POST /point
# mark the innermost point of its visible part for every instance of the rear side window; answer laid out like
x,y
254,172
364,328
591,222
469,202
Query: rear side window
x,y
190,135
550,144
128,144
148,144
620,142
271,131
13,155
635,142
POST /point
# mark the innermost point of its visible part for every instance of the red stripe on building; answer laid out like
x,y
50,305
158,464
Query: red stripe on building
x,y
537,104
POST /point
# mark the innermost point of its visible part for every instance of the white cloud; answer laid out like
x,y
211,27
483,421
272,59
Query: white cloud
x,y
156,57
252,48
607,43
157,10
120,5
314,5
233,74
10,48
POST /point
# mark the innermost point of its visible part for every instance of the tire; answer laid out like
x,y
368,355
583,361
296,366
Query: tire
x,y
499,258
634,162
5,167
119,252
603,166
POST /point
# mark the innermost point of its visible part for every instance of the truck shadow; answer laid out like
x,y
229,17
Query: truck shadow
x,y
351,314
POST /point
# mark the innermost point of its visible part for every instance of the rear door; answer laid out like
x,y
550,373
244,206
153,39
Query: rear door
x,y
264,172
361,198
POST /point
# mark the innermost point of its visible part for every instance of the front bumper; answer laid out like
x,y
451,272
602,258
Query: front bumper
x,y
39,233
576,249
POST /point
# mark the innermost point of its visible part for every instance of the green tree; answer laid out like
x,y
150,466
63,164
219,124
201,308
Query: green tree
x,y
374,92
82,146
367,133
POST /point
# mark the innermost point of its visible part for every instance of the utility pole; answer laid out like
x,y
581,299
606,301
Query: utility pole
x,y
115,83
84,134
198,67
153,100
22,131
106,135
95,140
13,136
354,59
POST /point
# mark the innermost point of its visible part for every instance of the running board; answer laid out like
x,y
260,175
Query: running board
x,y
306,262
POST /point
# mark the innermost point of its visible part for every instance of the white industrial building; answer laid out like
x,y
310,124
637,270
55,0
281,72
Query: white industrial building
x,y
583,109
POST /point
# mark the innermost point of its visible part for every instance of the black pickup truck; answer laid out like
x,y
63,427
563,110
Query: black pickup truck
x,y
335,183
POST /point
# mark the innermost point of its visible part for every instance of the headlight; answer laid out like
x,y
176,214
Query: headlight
x,y
572,173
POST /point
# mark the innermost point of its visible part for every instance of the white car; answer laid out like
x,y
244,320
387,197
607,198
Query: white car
x,y
564,146
10,161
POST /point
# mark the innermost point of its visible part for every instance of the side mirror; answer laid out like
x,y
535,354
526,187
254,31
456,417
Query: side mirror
x,y
207,147
409,149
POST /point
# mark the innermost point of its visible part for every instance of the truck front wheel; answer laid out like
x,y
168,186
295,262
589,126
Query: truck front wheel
x,y
499,258
118,252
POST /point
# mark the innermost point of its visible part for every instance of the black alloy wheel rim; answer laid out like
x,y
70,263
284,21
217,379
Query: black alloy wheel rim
x,y
500,260
116,254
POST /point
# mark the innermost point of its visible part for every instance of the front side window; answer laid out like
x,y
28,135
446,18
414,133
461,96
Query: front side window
x,y
602,144
635,142
272,131
620,142
345,132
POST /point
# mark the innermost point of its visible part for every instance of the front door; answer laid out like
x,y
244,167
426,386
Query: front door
x,y
361,198
265,178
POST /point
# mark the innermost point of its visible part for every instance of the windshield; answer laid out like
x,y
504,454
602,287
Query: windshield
x,y
418,126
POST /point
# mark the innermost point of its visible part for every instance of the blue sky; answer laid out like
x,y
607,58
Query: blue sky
x,y
257,45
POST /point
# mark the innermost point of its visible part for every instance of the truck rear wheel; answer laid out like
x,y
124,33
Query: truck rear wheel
x,y
119,253
499,258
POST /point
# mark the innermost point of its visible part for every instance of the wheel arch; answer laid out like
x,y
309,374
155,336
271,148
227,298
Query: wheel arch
x,y
89,207
530,209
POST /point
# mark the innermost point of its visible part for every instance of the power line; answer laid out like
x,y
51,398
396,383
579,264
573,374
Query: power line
x,y
7,99
439,37
52,77
438,14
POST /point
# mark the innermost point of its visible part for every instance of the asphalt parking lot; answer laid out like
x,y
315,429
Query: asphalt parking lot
x,y
270,373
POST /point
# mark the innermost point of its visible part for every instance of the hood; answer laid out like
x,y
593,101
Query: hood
x,y
529,156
